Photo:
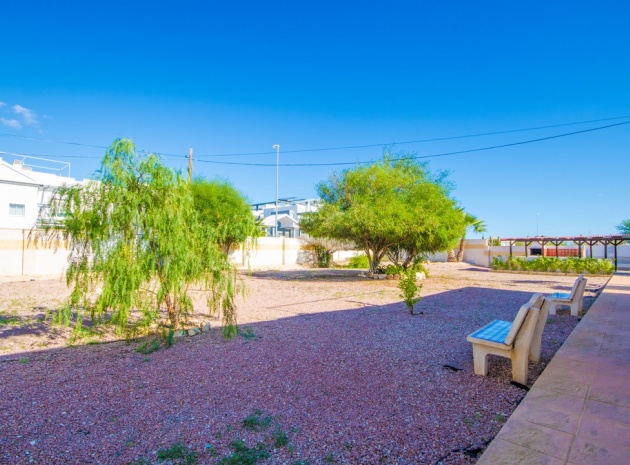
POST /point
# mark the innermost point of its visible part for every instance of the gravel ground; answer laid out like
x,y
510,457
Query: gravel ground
x,y
330,368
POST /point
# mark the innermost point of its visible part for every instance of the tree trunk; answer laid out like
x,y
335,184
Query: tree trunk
x,y
374,259
451,256
374,262
460,254
172,311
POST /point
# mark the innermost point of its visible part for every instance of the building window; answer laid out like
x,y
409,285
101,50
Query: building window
x,y
17,209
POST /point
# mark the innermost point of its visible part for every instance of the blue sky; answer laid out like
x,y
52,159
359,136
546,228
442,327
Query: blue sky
x,y
238,77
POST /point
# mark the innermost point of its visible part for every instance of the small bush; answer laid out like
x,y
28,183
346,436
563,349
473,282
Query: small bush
x,y
148,347
359,261
256,422
280,438
577,264
323,257
247,333
498,263
605,267
392,270
179,453
420,268
169,336
567,265
409,288
244,455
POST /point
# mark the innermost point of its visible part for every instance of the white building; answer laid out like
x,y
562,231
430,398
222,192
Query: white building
x,y
24,194
289,212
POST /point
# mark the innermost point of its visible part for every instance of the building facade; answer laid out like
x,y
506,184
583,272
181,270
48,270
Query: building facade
x,y
288,218
25,193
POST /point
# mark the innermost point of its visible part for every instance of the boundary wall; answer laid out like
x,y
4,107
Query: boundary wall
x,y
19,256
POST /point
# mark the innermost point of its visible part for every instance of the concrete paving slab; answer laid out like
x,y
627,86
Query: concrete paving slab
x,y
578,411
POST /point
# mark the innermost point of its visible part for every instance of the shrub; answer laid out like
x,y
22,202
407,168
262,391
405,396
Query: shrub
x,y
577,264
498,263
392,270
244,455
177,453
359,261
605,267
565,266
420,268
409,288
570,264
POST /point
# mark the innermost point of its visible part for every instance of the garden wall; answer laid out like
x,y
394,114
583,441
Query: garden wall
x,y
20,257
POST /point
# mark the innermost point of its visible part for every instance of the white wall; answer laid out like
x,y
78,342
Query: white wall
x,y
21,256
271,252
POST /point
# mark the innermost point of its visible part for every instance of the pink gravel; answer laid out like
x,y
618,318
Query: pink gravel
x,y
337,363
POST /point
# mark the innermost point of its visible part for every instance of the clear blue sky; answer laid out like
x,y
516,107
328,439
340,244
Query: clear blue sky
x,y
238,77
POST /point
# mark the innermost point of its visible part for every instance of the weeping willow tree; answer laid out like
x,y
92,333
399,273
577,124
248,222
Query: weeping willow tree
x,y
138,246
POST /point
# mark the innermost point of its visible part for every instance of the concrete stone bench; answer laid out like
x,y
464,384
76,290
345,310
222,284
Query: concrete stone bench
x,y
519,340
573,299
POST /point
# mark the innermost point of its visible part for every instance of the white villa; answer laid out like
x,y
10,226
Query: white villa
x,y
289,212
24,194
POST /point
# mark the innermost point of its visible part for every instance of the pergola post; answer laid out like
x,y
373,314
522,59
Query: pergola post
x,y
615,256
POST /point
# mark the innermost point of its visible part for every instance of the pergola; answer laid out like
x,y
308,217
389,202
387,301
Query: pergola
x,y
579,240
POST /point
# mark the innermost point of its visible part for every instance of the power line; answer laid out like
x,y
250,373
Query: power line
x,y
46,155
435,139
347,147
492,147
18,136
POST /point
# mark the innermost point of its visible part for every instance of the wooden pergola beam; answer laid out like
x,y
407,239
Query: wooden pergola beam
x,y
615,240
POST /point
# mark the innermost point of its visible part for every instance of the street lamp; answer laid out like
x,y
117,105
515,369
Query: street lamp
x,y
277,147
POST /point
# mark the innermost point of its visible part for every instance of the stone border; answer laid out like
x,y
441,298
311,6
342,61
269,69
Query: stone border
x,y
193,331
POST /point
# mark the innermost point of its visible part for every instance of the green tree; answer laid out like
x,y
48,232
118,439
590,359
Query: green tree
x,y
624,227
223,208
408,253
391,203
138,245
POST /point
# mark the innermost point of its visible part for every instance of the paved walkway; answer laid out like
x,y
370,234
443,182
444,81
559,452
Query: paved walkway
x,y
578,410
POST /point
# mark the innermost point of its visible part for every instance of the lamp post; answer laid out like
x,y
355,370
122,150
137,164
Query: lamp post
x,y
537,218
277,147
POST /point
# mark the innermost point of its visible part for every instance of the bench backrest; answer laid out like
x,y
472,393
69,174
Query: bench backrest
x,y
580,282
578,287
536,301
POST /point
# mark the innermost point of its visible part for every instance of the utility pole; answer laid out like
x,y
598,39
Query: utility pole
x,y
277,147
190,166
